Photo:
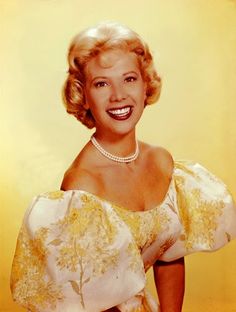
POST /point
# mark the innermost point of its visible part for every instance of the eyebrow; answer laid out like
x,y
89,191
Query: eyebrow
x,y
130,72
105,77
98,77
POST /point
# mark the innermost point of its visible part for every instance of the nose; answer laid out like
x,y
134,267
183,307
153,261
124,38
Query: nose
x,y
118,93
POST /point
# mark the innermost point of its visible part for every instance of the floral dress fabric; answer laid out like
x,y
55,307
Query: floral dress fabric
x,y
78,252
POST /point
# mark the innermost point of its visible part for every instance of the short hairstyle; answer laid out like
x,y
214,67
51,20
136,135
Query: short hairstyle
x,y
93,41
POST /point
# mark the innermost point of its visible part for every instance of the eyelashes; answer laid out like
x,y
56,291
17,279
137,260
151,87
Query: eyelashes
x,y
104,83
130,79
100,84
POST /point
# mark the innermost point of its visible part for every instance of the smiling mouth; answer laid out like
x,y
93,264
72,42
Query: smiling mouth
x,y
120,113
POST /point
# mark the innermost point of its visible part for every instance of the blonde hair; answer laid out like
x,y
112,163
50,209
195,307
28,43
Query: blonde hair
x,y
93,41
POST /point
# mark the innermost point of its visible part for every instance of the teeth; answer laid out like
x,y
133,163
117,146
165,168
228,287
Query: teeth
x,y
121,111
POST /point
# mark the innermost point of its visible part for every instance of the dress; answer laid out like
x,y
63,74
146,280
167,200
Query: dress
x,y
79,252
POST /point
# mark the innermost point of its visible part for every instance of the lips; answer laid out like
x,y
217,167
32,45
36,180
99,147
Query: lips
x,y
121,113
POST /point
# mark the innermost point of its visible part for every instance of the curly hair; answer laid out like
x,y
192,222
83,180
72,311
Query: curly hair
x,y
93,41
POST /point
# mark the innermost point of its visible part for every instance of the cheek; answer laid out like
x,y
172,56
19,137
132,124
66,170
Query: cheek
x,y
142,94
99,95
95,102
90,100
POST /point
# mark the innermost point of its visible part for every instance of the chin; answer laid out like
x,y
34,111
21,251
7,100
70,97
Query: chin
x,y
123,129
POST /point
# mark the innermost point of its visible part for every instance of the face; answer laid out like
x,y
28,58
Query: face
x,y
115,92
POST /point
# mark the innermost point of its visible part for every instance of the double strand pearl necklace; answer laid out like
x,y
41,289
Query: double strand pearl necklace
x,y
114,157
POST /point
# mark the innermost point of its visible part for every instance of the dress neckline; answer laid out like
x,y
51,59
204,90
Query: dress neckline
x,y
122,208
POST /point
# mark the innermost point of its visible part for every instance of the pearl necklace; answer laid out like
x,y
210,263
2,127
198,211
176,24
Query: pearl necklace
x,y
114,157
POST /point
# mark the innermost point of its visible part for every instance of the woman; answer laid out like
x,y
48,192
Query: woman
x,y
125,205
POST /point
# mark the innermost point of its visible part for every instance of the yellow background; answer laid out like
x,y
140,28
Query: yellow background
x,y
194,44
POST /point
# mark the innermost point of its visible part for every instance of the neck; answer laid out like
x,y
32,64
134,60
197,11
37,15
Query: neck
x,y
119,145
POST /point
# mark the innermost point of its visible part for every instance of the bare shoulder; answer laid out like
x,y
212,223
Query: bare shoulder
x,y
80,179
82,174
164,159
160,158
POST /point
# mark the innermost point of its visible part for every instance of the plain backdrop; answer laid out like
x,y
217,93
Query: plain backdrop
x,y
194,45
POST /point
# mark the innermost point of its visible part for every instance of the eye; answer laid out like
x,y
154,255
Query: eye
x,y
100,84
130,79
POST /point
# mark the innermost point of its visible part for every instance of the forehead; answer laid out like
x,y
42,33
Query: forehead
x,y
113,61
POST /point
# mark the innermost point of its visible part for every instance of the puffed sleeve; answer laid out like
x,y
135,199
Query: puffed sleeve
x,y
205,208
74,254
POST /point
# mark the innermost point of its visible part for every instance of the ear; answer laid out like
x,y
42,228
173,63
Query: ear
x,y
145,91
86,105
